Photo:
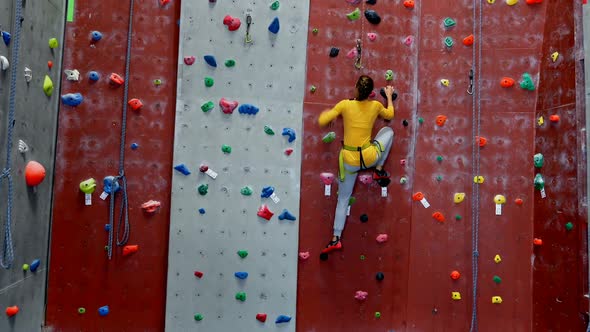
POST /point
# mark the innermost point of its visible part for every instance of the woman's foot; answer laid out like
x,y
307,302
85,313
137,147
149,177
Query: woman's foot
x,y
335,244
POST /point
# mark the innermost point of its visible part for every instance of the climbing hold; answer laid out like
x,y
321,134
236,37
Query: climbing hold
x,y
135,104
511,2
438,216
242,253
34,173
134,146
232,23
48,86
478,179
440,120
103,311
110,184
198,274
497,279
372,16
202,211
210,60
261,317
377,314
364,218
25,267
481,141
361,295
497,259
372,36
116,79
329,137
455,275
456,296
449,42
554,55
290,133
288,151
286,215
491,1
230,63
499,199
151,206
439,159
72,74
88,186
420,120
93,76
274,26
241,275
449,22
304,255
518,201
382,93
227,106
532,2
96,36
275,5
246,191
324,256
389,75
538,160
379,276
4,64
569,226
405,123
130,249
11,311
468,41
409,4
334,52
264,212
208,106
313,89
539,182
189,60
53,43
267,192
459,197
226,149
527,82
241,296
81,310
203,189
34,265
182,169
439,178
366,179
50,64
6,37
382,238
538,242
458,217
268,130
353,53
554,118
409,40
497,299
445,82
248,109
354,15
209,81
315,31
282,319
199,317
29,75
403,180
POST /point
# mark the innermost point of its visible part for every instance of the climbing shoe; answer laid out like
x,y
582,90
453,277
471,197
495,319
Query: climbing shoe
x,y
381,177
333,245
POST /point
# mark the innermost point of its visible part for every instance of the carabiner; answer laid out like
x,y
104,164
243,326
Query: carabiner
x,y
359,52
470,88
248,38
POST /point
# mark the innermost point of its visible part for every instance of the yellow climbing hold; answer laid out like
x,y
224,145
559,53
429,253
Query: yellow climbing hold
x,y
554,56
540,121
511,2
478,179
459,197
445,82
496,299
456,296
497,259
491,2
48,86
499,199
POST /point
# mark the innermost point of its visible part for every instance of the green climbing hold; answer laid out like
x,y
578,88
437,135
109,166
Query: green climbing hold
x,y
439,158
203,189
226,148
25,267
81,310
363,257
351,200
449,22
230,63
242,253
275,5
527,82
439,178
458,217
198,317
421,120
569,226
403,180
241,296
389,75
497,279
268,130
315,31
48,86
246,191
206,107
354,15
53,43
106,248
209,81
329,137
449,42
377,314
539,182
313,89
539,160
157,82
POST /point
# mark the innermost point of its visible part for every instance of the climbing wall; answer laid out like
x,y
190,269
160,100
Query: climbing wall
x,y
35,119
232,263
82,279
433,153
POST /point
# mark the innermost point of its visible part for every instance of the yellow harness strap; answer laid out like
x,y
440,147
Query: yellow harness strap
x,y
342,171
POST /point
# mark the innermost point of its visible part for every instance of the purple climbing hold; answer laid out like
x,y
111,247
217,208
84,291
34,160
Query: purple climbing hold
x,y
248,109
290,133
274,26
267,191
182,169
72,99
241,275
372,16
283,319
287,215
210,60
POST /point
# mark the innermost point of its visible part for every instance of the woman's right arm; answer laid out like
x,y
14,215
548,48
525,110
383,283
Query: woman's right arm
x,y
329,115
387,113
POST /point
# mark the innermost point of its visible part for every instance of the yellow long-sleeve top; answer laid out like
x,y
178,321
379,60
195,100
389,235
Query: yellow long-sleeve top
x,y
359,118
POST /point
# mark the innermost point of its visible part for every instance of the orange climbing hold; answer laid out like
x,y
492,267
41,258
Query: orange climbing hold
x,y
34,173
554,118
418,196
438,216
440,120
409,4
49,64
117,79
11,311
468,41
455,275
481,141
507,82
128,250
538,242
135,104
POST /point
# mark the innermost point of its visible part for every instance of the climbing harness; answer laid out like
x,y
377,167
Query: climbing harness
x,y
7,248
248,38
124,210
476,128
342,171
359,51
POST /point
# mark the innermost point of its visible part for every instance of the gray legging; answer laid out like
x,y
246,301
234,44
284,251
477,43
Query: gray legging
x,y
385,137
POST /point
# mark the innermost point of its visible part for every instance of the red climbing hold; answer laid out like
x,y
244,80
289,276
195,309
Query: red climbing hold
x,y
481,141
233,23
264,212
50,64
438,216
203,168
117,79
261,317
189,60
554,118
418,196
135,104
409,4
199,274
507,82
164,2
34,173
288,151
468,41
440,120
128,250
455,275
227,106
538,242
151,206
518,201
532,2
11,311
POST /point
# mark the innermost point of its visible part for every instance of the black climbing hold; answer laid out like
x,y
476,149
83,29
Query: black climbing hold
x,y
379,276
371,2
334,52
382,93
324,256
372,16
364,218
405,123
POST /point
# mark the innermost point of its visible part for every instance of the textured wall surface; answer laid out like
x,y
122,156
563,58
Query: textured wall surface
x,y
35,124
269,74
80,274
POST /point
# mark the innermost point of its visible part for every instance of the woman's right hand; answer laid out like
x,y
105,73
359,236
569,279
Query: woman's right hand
x,y
389,91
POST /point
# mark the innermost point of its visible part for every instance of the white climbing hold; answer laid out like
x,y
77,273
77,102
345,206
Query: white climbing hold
x,y
72,74
28,74
4,64
22,146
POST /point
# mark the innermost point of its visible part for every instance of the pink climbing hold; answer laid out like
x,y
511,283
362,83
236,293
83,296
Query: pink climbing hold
x,y
382,238
361,295
366,179
409,40
372,95
352,53
304,255
264,212
327,178
189,60
233,23
227,106
151,206
372,36
288,151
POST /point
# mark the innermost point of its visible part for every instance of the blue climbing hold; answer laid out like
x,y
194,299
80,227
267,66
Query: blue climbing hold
x,y
248,109
34,265
202,211
287,215
134,146
211,60
72,99
274,26
107,227
103,311
182,169
6,37
111,185
283,319
289,132
241,275
267,191
96,36
93,76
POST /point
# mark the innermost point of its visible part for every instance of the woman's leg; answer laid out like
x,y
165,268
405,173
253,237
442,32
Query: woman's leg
x,y
344,192
385,139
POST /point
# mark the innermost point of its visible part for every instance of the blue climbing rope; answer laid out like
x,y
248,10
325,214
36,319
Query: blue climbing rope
x,y
476,129
7,248
124,210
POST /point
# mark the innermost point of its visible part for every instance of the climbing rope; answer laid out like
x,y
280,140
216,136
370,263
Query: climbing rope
x,y
476,128
124,210
7,248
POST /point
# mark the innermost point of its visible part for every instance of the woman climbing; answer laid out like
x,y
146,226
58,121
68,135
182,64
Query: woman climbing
x,y
359,152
